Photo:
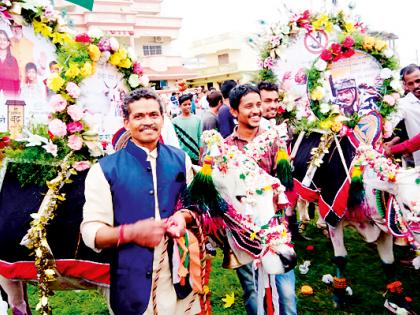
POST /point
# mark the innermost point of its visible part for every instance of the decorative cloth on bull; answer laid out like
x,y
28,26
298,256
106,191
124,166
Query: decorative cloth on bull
x,y
245,196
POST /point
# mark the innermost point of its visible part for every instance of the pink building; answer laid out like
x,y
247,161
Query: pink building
x,y
136,23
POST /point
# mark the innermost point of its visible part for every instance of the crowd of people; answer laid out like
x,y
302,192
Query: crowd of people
x,y
240,113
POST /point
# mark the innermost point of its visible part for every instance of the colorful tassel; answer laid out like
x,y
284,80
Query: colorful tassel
x,y
203,193
284,169
357,190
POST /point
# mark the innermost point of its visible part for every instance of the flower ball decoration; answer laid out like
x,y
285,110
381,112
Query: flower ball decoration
x,y
349,36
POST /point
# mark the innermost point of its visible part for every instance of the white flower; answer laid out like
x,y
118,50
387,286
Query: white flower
x,y
396,85
349,291
328,279
144,80
324,108
95,32
388,53
285,29
320,65
386,73
51,148
134,80
416,263
132,54
115,45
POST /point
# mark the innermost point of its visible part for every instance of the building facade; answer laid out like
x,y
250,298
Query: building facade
x,y
137,24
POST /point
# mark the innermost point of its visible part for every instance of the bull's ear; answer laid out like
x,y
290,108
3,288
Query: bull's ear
x,y
196,169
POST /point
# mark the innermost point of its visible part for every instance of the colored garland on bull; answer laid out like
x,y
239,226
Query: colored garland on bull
x,y
50,154
351,36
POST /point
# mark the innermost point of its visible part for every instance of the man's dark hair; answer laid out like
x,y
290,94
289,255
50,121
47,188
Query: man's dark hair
x,y
137,95
214,98
408,70
173,93
268,86
184,97
226,87
52,63
240,91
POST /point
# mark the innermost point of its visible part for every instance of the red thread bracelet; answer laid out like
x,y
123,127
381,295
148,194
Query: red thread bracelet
x,y
120,235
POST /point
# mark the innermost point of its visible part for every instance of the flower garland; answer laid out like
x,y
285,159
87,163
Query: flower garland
x,y
67,144
351,36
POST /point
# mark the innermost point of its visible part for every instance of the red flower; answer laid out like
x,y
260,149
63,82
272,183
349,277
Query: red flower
x,y
408,299
336,48
82,38
104,144
348,53
326,55
137,68
310,248
348,42
4,142
338,57
50,135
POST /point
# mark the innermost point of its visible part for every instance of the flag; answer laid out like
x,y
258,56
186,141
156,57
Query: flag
x,y
88,4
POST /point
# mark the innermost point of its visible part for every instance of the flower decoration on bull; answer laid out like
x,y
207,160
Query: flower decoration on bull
x,y
50,154
312,95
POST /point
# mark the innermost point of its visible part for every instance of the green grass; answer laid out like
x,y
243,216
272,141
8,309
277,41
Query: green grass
x,y
364,273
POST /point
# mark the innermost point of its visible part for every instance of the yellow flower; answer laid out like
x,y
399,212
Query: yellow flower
x,y
59,38
94,52
380,44
87,69
73,71
40,27
229,300
125,63
115,59
55,82
349,26
368,42
123,53
322,22
328,27
336,126
317,94
253,235
326,124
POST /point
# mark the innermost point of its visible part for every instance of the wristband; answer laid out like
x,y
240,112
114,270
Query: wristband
x,y
120,235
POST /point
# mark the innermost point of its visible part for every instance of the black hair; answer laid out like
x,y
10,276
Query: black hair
x,y
214,98
240,91
267,86
226,87
408,70
52,63
29,66
138,95
184,97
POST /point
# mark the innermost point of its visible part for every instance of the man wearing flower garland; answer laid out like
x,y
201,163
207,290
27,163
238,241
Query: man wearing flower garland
x,y
246,107
130,199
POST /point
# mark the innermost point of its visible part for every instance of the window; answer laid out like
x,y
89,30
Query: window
x,y
152,50
223,59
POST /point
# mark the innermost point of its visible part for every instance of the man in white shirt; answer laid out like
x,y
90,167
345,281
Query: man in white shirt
x,y
409,105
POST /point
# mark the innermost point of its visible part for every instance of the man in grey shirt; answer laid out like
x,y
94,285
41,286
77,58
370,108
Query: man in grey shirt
x,y
209,119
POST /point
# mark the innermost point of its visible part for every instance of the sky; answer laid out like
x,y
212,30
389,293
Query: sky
x,y
205,18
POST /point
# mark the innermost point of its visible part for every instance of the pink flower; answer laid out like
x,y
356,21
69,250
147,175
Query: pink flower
x,y
268,63
48,11
73,89
387,129
104,44
74,126
326,55
137,68
81,166
396,96
57,128
58,103
82,38
348,42
75,142
389,99
75,112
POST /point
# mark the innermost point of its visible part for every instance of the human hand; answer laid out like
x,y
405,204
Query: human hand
x,y
388,145
176,225
146,233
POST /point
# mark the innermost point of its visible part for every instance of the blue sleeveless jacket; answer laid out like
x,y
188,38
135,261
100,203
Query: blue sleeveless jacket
x,y
130,178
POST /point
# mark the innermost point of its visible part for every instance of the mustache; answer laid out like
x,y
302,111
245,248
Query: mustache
x,y
255,115
146,127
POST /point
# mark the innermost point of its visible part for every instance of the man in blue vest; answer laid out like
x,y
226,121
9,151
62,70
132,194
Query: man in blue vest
x,y
130,200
